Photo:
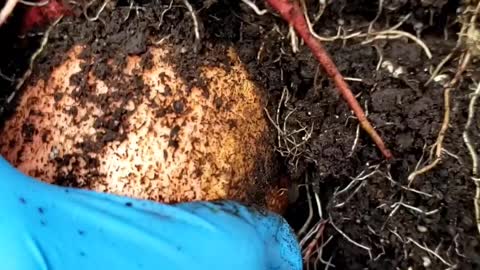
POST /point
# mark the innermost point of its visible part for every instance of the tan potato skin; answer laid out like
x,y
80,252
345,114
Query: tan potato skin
x,y
219,153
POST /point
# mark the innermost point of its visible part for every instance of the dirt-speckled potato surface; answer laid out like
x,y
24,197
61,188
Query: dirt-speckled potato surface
x,y
142,132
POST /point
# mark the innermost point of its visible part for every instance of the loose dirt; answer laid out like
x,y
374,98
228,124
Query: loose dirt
x,y
375,219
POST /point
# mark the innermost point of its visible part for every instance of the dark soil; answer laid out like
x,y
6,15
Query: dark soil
x,y
405,112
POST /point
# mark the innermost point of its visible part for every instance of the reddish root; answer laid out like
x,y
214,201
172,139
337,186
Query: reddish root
x,y
40,16
292,13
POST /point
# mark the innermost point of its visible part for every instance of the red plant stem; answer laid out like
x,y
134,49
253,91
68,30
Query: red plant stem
x,y
292,13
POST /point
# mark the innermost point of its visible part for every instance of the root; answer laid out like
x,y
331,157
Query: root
x,y
357,134
431,252
255,8
7,10
293,39
379,12
310,210
415,209
318,230
312,241
321,8
292,13
469,26
361,179
438,145
440,66
391,33
196,29
320,255
447,58
388,175
368,249
131,7
317,244
99,11
477,201
6,78
27,74
34,4
395,34
291,144
163,13
473,153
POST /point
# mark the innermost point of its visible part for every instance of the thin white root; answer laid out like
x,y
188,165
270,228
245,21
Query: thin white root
x,y
195,21
5,77
310,233
466,137
439,67
328,263
310,210
394,34
416,209
431,252
360,178
320,254
477,201
34,4
319,205
129,10
368,249
379,12
7,10
391,33
27,74
473,153
357,133
460,41
290,143
388,175
293,39
252,5
322,4
355,141
165,11
99,11
380,57
132,7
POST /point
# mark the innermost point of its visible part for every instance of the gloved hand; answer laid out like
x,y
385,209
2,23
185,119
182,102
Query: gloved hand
x,y
49,227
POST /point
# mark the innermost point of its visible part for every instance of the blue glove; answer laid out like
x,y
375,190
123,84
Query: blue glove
x,y
49,227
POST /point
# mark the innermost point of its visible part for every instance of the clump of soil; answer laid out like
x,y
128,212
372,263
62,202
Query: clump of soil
x,y
370,216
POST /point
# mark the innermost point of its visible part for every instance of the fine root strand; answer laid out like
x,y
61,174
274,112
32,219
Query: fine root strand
x,y
293,39
428,250
27,74
164,12
259,12
357,183
34,4
438,145
466,136
196,29
97,14
7,10
368,249
310,210
473,153
291,143
389,34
